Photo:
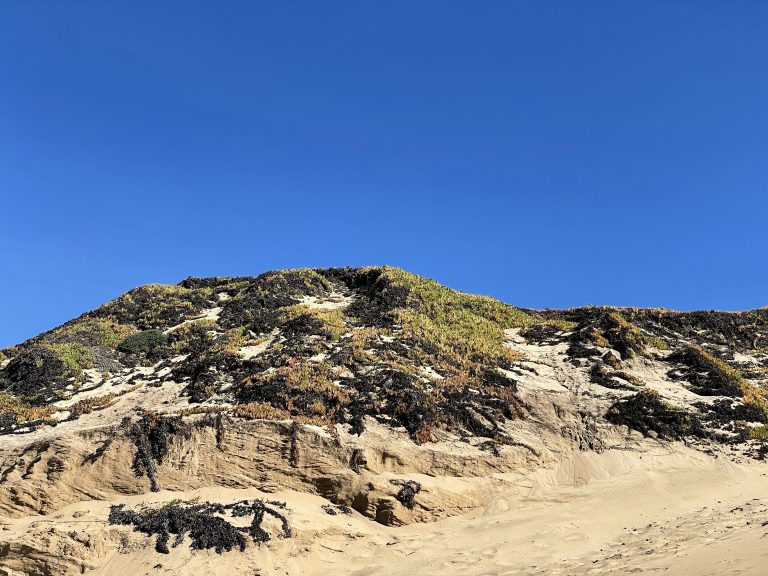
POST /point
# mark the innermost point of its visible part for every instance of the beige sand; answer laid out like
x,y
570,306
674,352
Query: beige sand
x,y
668,511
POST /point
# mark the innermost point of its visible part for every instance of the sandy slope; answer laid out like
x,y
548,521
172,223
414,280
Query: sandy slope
x,y
669,511
681,519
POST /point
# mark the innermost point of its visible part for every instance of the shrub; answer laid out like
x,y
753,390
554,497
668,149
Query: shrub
x,y
143,342
329,321
262,411
561,324
656,342
298,389
234,340
9,352
623,336
256,304
152,435
195,334
408,491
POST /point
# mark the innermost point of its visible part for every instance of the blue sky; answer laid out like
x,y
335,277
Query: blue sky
x,y
550,154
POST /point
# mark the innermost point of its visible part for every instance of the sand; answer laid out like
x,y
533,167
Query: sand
x,y
669,510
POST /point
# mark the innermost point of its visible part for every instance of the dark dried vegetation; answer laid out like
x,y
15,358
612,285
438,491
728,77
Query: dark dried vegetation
x,y
206,524
647,413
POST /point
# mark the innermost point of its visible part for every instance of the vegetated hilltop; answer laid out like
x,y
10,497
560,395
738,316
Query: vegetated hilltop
x,y
345,383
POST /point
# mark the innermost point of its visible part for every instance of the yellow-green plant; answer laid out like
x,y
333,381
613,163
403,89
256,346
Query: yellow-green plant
x,y
331,319
759,433
106,331
20,411
74,355
456,327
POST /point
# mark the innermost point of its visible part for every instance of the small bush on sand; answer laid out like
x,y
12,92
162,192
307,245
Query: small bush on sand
x,y
142,342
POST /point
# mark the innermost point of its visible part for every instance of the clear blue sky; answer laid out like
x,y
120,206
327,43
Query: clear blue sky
x,y
550,154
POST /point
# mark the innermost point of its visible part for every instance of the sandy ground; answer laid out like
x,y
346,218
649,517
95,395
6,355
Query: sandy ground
x,y
669,512
693,517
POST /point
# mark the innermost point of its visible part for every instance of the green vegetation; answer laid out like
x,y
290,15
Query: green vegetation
x,y
759,433
330,321
234,339
73,354
257,304
142,342
10,351
634,380
656,342
357,342
104,331
264,411
156,305
280,287
182,338
300,389
18,411
611,359
293,281
711,375
624,336
458,328
399,324
608,328
560,324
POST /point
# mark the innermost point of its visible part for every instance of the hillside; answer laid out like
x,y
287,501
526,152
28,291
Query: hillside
x,y
315,410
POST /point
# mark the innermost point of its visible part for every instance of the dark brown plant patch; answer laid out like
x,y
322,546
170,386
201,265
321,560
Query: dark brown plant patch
x,y
408,491
707,375
37,375
378,296
151,435
335,509
602,375
256,305
155,306
206,524
647,413
737,330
